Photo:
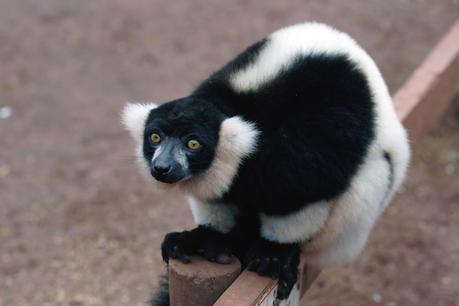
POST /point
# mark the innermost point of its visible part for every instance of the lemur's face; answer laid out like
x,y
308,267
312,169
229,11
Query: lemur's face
x,y
180,139
191,143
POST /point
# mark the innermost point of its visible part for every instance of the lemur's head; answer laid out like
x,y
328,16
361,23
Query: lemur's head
x,y
190,143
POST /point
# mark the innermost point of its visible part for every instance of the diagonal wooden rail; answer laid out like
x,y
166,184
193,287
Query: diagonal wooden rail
x,y
420,103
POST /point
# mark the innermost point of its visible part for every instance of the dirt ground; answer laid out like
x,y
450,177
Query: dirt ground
x,y
80,227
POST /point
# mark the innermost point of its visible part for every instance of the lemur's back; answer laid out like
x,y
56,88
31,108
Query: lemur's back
x,y
310,91
309,67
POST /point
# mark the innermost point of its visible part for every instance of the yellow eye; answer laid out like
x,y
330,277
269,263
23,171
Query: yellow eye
x,y
193,144
155,138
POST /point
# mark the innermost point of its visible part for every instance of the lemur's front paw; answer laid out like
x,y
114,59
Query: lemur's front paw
x,y
214,246
177,245
279,261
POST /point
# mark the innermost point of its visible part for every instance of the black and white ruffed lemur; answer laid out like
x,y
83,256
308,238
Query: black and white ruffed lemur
x,y
293,146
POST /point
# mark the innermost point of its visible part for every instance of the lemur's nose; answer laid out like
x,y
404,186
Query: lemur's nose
x,y
162,168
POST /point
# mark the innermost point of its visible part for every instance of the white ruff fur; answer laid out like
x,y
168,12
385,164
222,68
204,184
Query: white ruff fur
x,y
237,140
343,235
220,217
352,216
296,227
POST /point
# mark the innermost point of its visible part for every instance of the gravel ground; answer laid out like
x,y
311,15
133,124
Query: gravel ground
x,y
79,226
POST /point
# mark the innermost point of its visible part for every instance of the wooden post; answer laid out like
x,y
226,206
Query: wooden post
x,y
201,282
420,103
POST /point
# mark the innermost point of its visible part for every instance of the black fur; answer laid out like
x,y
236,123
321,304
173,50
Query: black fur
x,y
317,121
202,240
390,164
161,295
279,261
185,119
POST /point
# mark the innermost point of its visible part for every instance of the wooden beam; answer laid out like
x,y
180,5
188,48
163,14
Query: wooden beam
x,y
252,289
423,99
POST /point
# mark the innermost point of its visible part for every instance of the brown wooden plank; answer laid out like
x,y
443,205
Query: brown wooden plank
x,y
247,289
250,288
422,100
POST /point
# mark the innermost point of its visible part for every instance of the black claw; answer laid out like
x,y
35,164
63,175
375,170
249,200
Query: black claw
x,y
210,255
275,268
263,268
287,281
175,252
224,259
253,265
283,289
177,246
185,259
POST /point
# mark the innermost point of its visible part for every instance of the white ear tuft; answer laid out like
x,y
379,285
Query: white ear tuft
x,y
134,116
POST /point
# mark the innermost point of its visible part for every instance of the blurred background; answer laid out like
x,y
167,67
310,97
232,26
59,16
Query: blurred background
x,y
80,227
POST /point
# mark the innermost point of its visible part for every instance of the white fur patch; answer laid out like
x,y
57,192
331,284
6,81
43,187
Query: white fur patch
x,y
295,227
218,216
284,45
158,151
180,157
237,140
353,215
134,117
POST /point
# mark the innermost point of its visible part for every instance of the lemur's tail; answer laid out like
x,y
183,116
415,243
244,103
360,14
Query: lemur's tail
x,y
161,294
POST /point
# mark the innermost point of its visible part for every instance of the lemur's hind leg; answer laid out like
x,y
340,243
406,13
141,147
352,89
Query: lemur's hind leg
x,y
277,260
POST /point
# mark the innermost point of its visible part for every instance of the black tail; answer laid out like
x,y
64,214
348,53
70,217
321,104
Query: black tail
x,y
161,294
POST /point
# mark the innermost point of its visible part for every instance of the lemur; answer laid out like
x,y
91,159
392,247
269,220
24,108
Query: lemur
x,y
293,146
